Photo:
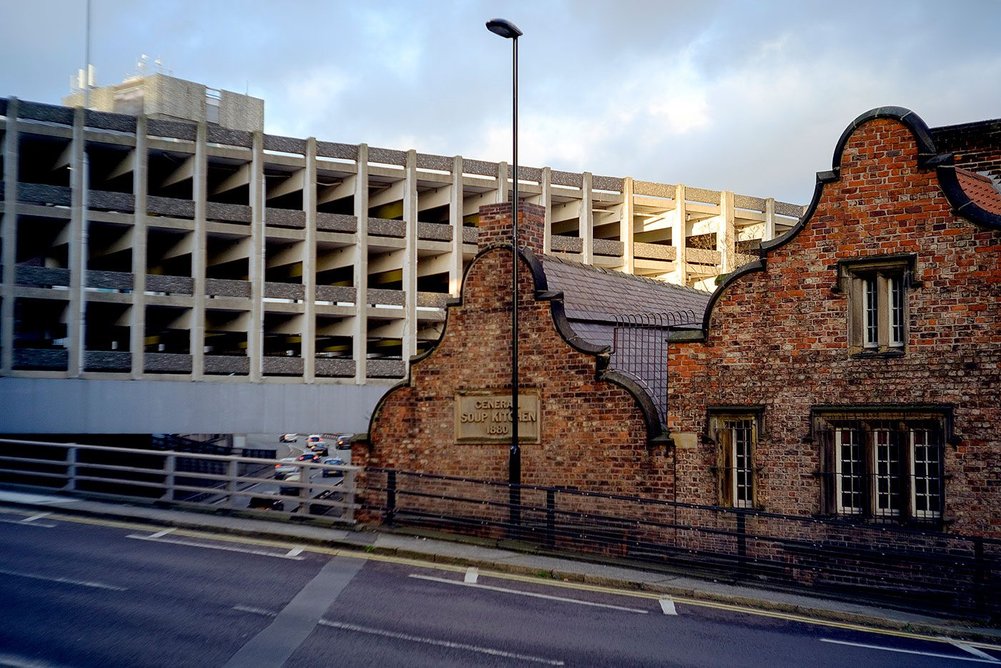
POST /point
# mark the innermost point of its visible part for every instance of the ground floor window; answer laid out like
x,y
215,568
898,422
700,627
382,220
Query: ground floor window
x,y
736,436
883,465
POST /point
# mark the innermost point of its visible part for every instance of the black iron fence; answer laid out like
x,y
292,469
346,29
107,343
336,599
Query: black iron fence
x,y
883,564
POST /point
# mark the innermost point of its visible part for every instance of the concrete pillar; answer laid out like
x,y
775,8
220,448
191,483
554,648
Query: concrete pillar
x,y
360,330
79,185
199,191
769,232
309,264
410,258
502,184
547,202
8,238
679,230
626,226
140,190
255,335
726,234
586,224
455,205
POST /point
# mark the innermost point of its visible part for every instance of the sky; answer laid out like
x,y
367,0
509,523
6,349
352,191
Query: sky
x,y
729,94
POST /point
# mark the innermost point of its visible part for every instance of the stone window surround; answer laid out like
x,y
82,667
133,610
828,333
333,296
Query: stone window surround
x,y
885,272
900,420
720,422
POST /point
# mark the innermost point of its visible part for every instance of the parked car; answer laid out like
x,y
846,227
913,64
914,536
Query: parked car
x,y
288,438
285,467
333,473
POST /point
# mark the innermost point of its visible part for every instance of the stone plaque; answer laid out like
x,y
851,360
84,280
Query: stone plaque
x,y
486,418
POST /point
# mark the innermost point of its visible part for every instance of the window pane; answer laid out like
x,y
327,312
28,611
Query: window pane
x,y
896,302
886,481
849,471
927,473
742,438
871,313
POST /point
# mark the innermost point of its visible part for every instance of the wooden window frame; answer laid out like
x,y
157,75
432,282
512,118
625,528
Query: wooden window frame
x,y
731,480
900,477
877,287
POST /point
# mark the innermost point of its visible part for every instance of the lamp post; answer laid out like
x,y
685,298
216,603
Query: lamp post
x,y
510,31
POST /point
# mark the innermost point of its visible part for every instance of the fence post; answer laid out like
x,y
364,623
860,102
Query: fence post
x,y
71,457
350,484
550,518
390,496
232,473
170,468
741,541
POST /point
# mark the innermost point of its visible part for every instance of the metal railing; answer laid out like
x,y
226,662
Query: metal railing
x,y
889,565
187,479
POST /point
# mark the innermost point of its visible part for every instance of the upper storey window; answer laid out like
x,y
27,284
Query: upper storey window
x,y
877,303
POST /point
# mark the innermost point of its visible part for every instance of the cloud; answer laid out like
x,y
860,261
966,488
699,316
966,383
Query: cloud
x,y
308,101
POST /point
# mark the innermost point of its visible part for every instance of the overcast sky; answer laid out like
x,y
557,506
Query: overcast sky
x,y
736,95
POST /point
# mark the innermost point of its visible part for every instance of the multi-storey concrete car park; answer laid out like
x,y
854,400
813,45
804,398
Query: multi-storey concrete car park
x,y
147,248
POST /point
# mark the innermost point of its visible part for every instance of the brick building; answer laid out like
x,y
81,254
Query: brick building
x,y
584,422
853,371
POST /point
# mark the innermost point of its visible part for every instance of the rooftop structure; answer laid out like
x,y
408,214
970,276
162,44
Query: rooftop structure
x,y
168,98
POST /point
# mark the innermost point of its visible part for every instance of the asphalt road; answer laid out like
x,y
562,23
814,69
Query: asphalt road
x,y
94,593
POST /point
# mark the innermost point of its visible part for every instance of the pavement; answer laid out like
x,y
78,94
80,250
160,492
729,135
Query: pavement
x,y
486,558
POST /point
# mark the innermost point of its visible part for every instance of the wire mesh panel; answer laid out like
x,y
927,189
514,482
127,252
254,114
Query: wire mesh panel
x,y
640,350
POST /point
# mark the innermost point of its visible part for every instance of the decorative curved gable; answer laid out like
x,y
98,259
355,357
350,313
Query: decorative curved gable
x,y
927,158
541,293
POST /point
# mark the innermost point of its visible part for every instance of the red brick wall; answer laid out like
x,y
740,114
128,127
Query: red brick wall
x,y
779,338
593,434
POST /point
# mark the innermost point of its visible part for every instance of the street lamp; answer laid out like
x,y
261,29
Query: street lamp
x,y
510,31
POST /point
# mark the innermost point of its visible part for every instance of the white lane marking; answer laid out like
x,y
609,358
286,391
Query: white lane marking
x,y
255,611
41,525
472,574
22,662
79,583
548,597
161,534
294,552
667,605
440,643
910,651
36,516
224,548
973,650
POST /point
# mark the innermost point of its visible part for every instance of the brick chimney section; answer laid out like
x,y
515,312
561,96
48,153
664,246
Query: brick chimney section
x,y
495,226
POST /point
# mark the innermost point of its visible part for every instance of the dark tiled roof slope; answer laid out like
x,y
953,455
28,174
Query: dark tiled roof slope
x,y
601,295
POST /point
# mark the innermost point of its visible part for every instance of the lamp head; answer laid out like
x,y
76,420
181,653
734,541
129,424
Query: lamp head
x,y
504,28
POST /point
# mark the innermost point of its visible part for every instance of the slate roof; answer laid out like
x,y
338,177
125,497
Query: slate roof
x,y
629,314
980,189
599,295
